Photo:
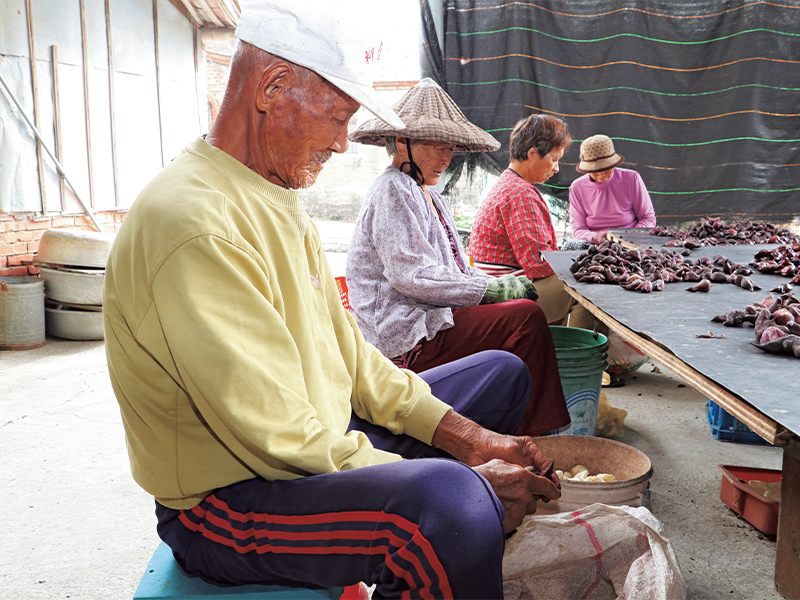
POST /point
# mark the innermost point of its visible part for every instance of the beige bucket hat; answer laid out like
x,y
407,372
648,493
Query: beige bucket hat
x,y
597,154
431,115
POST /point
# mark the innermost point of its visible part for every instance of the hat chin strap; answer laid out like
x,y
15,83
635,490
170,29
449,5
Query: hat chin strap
x,y
413,170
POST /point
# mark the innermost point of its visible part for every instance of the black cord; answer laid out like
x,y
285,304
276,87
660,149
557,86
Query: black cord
x,y
413,170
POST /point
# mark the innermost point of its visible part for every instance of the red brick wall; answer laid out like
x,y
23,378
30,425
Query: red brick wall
x,y
218,47
20,235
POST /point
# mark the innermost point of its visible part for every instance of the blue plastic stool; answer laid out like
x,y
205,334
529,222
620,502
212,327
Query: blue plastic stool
x,y
164,580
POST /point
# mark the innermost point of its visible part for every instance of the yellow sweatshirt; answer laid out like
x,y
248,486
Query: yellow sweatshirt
x,y
229,350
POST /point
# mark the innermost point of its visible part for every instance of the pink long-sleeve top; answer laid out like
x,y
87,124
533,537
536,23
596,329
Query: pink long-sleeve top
x,y
621,202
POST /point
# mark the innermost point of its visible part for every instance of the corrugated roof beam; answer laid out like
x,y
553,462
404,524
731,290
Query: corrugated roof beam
x,y
191,10
211,13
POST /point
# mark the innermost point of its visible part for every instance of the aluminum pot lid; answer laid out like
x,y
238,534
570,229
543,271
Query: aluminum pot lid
x,y
74,247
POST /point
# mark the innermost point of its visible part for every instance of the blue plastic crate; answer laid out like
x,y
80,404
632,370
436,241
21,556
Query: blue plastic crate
x,y
727,428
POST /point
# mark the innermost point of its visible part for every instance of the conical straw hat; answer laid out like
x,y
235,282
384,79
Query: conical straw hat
x,y
431,115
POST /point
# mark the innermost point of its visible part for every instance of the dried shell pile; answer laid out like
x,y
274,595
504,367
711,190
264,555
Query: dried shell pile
x,y
776,322
649,270
783,260
715,232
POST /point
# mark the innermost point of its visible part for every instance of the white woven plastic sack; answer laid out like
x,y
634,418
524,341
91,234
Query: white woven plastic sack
x,y
596,553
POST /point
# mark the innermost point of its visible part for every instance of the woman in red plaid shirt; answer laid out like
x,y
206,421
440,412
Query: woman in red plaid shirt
x,y
513,226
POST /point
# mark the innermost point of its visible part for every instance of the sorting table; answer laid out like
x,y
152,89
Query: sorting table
x,y
761,390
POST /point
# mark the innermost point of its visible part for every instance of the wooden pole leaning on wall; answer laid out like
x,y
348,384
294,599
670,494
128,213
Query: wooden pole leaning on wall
x,y
110,45
158,81
85,48
57,119
197,48
36,117
11,95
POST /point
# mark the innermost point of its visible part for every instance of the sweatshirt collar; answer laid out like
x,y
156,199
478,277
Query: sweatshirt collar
x,y
286,199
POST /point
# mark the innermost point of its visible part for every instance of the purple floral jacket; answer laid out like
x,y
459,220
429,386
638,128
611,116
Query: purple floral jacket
x,y
402,276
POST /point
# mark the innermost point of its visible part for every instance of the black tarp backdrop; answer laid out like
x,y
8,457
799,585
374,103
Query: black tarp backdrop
x,y
701,97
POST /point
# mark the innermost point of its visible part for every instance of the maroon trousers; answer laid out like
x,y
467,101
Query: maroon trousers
x,y
516,326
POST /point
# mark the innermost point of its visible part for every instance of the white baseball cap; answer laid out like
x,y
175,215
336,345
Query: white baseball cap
x,y
327,36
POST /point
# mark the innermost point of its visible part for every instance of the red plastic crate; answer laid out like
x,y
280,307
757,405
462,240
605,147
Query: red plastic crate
x,y
757,510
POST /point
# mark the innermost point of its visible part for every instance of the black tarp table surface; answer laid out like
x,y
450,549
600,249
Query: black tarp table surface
x,y
640,237
673,319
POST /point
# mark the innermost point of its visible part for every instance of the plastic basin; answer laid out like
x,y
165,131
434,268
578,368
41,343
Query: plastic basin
x,y
630,466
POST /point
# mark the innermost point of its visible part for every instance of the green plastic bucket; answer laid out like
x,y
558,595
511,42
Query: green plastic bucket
x,y
581,361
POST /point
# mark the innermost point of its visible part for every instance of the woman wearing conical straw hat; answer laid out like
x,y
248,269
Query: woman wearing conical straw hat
x,y
412,290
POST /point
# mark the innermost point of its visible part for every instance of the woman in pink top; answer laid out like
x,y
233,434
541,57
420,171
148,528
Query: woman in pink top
x,y
607,197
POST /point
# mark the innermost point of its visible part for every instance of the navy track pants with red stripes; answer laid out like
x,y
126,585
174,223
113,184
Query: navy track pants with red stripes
x,y
427,528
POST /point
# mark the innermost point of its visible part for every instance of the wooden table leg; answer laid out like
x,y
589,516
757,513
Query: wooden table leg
x,y
787,559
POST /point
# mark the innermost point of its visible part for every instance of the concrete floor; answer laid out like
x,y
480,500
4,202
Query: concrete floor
x,y
721,554
78,527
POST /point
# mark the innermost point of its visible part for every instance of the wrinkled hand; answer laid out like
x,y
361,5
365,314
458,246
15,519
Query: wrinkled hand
x,y
517,488
513,449
599,237
474,445
506,461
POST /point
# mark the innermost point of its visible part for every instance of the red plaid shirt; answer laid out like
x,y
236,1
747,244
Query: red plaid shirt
x,y
513,226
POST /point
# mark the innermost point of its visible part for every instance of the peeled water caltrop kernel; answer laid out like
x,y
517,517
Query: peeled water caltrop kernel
x,y
581,473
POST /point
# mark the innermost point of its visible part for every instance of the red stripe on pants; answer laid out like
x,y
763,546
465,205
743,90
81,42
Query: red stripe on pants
x,y
265,537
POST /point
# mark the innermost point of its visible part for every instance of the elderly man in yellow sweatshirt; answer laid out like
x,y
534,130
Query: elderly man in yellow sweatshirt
x,y
271,435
